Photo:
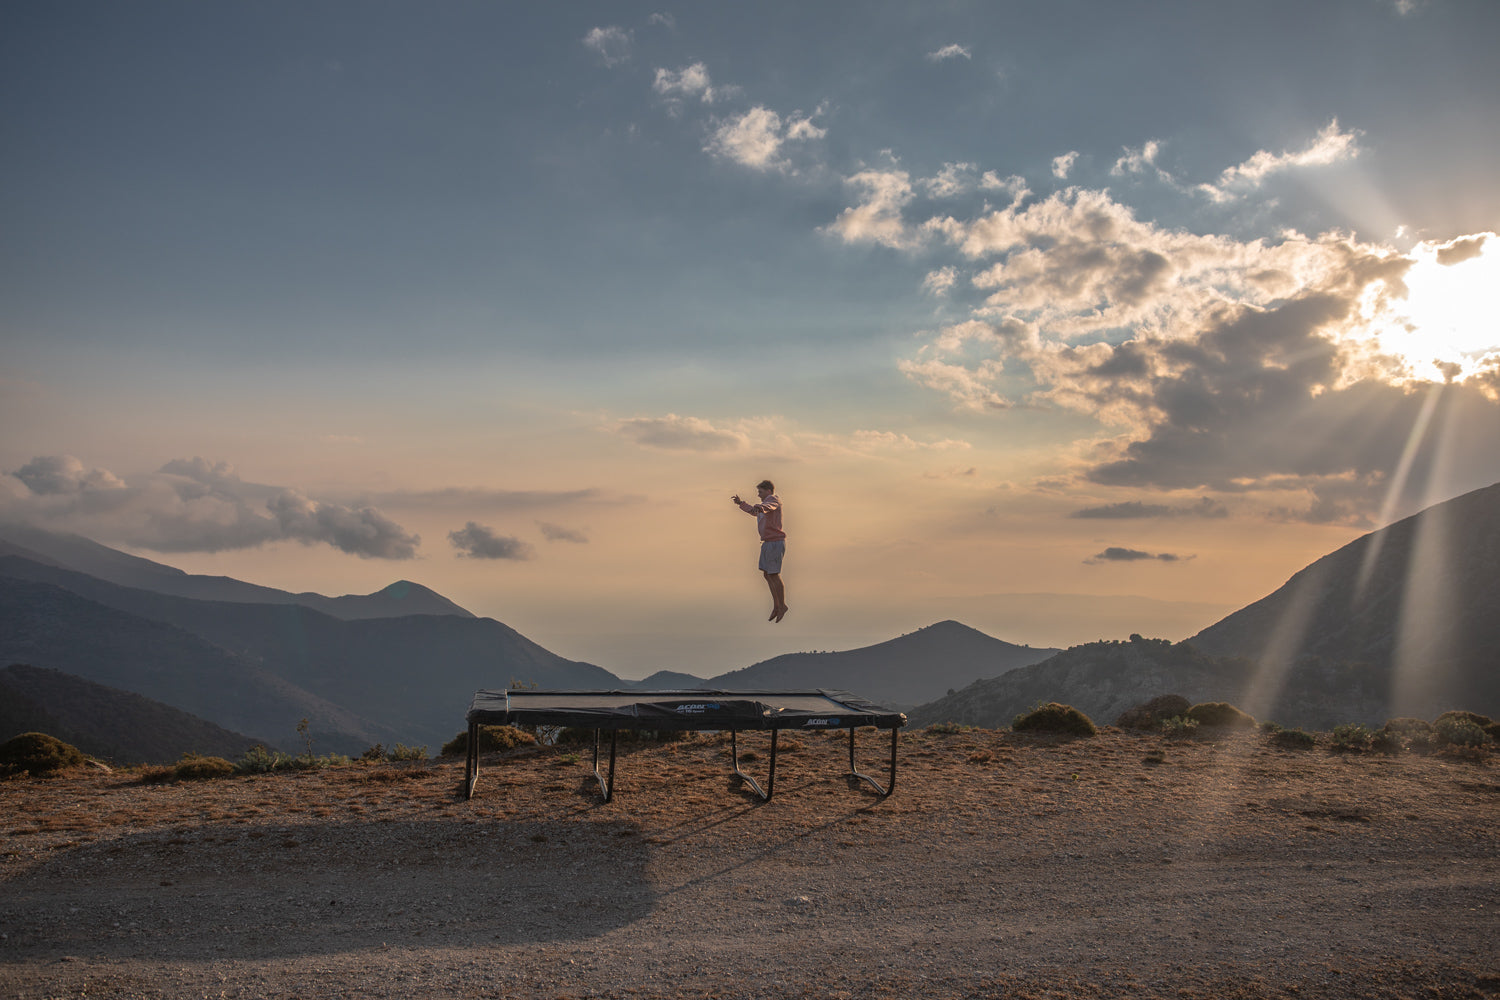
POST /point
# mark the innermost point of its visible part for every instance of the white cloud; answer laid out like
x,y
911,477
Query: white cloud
x,y
756,138
1137,161
675,433
954,179
1330,146
612,44
1013,185
941,281
1063,165
878,218
1209,362
947,52
689,83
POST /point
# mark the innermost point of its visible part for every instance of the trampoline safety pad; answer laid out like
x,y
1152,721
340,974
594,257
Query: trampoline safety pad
x,y
703,711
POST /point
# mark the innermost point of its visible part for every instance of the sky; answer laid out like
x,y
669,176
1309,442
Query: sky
x,y
1066,320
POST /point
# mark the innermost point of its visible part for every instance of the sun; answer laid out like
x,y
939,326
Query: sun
x,y
1446,329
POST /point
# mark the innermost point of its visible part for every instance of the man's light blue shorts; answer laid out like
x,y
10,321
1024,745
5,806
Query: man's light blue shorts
x,y
771,554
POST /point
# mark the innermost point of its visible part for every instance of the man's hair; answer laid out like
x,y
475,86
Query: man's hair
x,y
765,484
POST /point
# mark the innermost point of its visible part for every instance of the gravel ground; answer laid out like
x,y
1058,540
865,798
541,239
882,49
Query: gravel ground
x,y
1117,866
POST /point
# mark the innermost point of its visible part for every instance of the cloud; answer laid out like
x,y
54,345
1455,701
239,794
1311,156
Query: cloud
x,y
1209,363
877,219
757,138
64,475
612,44
192,505
557,533
674,433
688,83
1063,165
475,541
954,179
950,52
1459,250
1135,509
1118,554
1329,146
1013,185
1141,161
460,497
360,531
941,281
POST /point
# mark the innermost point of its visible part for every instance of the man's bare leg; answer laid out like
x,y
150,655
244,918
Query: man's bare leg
x,y
778,597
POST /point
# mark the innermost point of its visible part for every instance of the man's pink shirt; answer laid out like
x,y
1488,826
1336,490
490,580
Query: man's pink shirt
x,y
767,517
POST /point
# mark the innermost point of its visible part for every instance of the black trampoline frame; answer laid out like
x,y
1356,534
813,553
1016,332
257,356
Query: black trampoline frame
x,y
685,711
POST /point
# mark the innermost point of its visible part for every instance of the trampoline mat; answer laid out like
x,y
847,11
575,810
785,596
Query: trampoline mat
x,y
690,709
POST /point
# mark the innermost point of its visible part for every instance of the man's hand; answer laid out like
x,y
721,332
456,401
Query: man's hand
x,y
735,499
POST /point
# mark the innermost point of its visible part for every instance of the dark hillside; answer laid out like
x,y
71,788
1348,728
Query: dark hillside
x,y
412,677
47,626
1409,611
116,726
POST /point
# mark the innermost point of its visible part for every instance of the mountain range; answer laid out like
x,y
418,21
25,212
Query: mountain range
x,y
377,672
1398,622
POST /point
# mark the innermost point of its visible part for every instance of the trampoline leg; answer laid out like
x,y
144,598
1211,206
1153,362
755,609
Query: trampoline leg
x,y
734,753
607,786
855,772
471,761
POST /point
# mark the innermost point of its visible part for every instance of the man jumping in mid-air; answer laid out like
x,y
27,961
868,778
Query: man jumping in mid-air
x,y
772,542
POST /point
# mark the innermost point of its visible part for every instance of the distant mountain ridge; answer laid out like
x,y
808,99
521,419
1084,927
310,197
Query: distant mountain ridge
x,y
259,668
81,555
898,673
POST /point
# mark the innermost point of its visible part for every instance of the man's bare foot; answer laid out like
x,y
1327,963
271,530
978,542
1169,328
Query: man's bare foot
x,y
778,614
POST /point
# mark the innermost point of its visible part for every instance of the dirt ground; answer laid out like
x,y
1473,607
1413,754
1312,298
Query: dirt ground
x,y
1122,865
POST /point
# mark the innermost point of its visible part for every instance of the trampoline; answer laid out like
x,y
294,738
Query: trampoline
x,y
702,711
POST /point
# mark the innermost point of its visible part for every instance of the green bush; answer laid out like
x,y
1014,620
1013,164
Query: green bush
x,y
1290,739
378,753
491,739
1151,714
1455,730
192,767
1405,733
1054,718
945,728
1352,736
1220,715
1179,727
259,760
1488,726
37,754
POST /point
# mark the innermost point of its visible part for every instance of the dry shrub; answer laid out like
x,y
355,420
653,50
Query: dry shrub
x,y
1458,720
1054,718
195,768
491,738
37,754
1220,715
1151,714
